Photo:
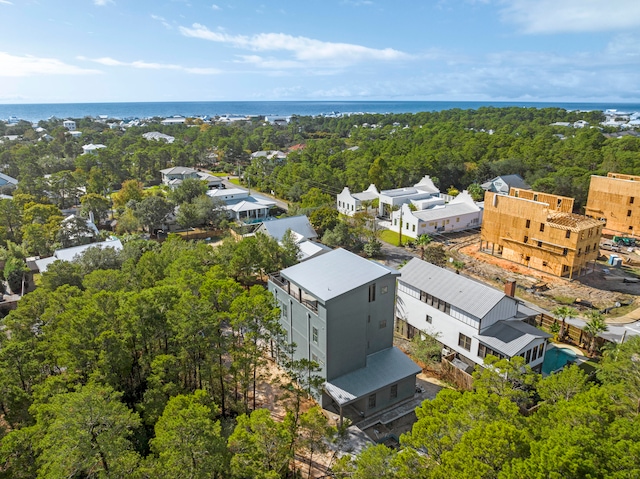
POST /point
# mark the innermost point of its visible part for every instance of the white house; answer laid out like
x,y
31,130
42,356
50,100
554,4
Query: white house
x,y
465,316
269,154
174,120
70,254
390,199
351,203
432,215
69,125
92,149
157,136
75,133
241,205
172,177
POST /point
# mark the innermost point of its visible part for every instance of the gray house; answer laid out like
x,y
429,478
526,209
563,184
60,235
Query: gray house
x,y
338,309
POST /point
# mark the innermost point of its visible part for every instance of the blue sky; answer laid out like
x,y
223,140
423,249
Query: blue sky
x,y
241,50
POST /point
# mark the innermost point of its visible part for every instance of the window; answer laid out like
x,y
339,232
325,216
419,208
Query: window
x,y
372,292
628,212
384,289
541,350
534,353
372,401
526,239
631,199
314,335
541,227
429,319
565,251
567,234
284,310
369,319
539,244
528,223
395,222
314,358
464,342
579,251
394,391
457,220
544,263
382,324
565,268
527,357
527,258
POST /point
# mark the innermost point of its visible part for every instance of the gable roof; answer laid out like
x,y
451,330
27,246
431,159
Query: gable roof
x,y
298,224
335,273
465,294
511,181
178,170
7,180
510,337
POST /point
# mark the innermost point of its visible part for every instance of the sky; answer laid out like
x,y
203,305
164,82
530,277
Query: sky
x,y
74,51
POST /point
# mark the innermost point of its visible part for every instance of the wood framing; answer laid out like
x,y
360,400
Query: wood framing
x,y
538,230
615,198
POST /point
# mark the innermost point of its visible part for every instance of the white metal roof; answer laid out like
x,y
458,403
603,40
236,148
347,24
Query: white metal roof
x,y
383,369
439,212
334,273
465,294
298,224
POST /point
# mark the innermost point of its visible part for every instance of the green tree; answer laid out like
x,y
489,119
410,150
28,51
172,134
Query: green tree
x,y
260,447
314,433
188,440
188,190
562,313
422,241
86,433
151,211
96,204
594,327
131,190
563,385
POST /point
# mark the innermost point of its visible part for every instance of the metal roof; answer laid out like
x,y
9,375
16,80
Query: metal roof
x,y
334,273
383,369
510,337
445,211
298,224
463,293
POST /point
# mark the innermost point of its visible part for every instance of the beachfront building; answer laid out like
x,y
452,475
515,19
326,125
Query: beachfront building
x,y
615,199
540,231
338,310
468,318
433,216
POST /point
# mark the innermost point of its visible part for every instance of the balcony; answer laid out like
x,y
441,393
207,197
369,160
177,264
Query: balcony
x,y
295,292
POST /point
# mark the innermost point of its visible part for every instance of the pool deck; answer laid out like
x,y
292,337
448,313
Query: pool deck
x,y
580,357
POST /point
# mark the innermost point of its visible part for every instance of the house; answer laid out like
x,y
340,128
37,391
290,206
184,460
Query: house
x,y
352,203
338,310
269,155
278,120
70,254
539,231
392,199
69,125
92,149
157,136
172,177
7,182
243,206
465,316
302,231
615,199
502,184
299,225
75,133
433,216
77,230
174,120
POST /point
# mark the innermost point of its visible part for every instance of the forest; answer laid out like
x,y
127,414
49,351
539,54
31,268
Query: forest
x,y
145,362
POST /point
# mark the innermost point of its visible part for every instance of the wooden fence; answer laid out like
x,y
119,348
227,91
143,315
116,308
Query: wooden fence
x,y
454,375
574,334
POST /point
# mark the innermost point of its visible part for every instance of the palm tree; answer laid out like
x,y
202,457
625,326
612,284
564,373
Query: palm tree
x,y
562,313
594,326
422,241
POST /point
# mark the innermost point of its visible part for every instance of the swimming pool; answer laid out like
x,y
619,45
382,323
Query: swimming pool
x,y
556,357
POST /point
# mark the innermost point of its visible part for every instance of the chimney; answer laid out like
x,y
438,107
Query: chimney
x,y
510,288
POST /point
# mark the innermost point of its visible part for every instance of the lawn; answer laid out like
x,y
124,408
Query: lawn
x,y
391,237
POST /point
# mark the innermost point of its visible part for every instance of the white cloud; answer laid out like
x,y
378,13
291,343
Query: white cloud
x,y
5,2
102,3
572,16
23,66
111,62
303,49
215,7
162,20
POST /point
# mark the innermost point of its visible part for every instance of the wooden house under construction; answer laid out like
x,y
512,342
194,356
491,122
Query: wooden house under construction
x,y
615,199
540,231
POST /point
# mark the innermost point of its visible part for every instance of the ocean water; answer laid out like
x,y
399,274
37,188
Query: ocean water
x,y
35,112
